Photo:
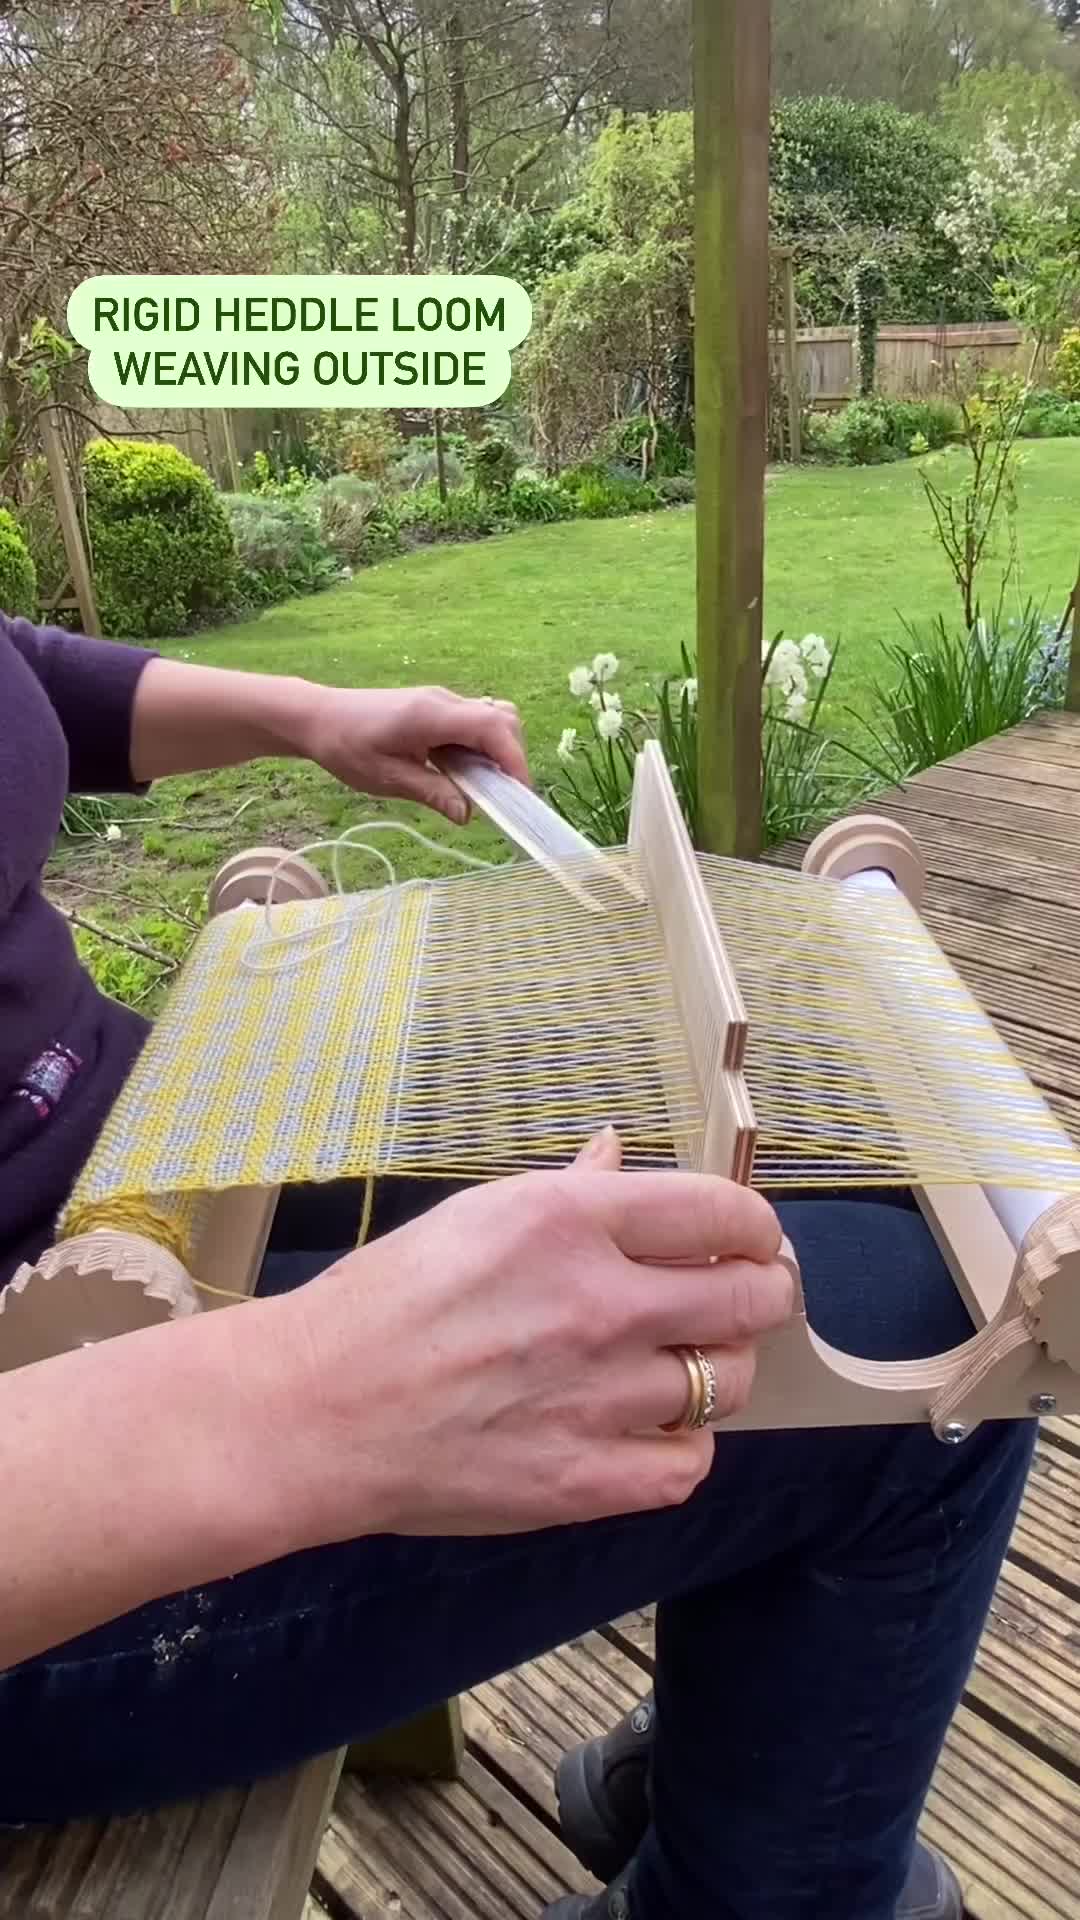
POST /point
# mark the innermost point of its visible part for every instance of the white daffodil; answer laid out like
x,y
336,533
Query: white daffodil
x,y
796,706
690,690
785,662
815,652
605,700
581,683
794,681
609,724
113,832
605,666
567,743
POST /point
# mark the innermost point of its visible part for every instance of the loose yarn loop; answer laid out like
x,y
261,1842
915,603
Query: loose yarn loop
x,y
314,940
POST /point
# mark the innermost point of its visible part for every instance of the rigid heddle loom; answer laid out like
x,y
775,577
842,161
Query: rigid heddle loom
x,y
798,1029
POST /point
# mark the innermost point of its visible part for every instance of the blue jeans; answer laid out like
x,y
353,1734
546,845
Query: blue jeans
x,y
821,1599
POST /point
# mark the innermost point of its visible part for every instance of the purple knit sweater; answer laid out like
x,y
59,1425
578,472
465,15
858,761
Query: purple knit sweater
x,y
65,726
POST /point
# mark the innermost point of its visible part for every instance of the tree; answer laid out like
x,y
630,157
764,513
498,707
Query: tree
x,y
906,51
125,147
429,115
1042,104
611,334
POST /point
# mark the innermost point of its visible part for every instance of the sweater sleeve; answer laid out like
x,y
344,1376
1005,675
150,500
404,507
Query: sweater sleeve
x,y
91,686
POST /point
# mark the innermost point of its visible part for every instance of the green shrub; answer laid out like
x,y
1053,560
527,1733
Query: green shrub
x,y
349,486
858,436
365,443
269,477
359,528
163,549
1067,365
672,455
464,515
602,492
676,489
18,575
603,499
279,547
1047,416
956,688
936,421
452,440
531,500
872,430
420,466
845,171
493,462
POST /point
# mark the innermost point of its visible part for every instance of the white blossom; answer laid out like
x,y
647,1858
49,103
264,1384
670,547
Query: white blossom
x,y
567,743
601,700
580,683
690,690
815,653
785,662
113,832
605,666
609,724
796,706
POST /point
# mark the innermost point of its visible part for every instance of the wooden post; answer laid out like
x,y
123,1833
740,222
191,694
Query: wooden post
x,y
791,353
731,144
68,516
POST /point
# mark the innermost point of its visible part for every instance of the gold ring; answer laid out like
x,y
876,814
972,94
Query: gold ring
x,y
701,1397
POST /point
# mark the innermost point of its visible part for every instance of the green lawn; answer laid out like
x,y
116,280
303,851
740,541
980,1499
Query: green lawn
x,y
849,551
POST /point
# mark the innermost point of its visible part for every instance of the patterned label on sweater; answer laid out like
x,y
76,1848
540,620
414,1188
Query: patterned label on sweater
x,y
47,1079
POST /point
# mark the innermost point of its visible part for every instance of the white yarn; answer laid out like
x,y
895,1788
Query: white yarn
x,y
357,906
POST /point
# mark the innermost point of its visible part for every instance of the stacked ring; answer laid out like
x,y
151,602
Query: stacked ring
x,y
701,1395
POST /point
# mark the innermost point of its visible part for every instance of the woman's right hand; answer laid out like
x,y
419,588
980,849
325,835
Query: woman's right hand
x,y
502,1363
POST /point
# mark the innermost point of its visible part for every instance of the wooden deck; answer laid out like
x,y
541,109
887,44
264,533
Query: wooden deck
x,y
1000,829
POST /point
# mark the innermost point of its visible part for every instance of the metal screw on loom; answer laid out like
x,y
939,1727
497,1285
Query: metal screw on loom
x,y
1043,1403
953,1433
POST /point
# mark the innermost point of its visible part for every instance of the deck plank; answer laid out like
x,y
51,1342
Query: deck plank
x,y
467,1849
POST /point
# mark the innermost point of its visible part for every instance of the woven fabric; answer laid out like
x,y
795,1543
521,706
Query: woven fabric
x,y
484,1024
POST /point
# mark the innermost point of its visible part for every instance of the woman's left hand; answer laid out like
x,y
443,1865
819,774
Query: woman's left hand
x,y
380,741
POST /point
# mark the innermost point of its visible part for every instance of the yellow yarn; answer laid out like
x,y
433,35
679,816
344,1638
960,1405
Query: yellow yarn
x,y
173,1227
369,1205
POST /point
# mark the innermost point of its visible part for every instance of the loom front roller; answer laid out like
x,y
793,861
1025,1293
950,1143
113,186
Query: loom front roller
x,y
1014,1252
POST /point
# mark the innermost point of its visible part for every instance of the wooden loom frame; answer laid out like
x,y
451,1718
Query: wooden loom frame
x,y
1023,1358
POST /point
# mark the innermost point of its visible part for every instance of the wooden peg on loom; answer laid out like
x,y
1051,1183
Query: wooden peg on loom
x,y
110,1281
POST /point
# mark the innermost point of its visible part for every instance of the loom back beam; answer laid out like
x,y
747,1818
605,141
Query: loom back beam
x,y
453,1005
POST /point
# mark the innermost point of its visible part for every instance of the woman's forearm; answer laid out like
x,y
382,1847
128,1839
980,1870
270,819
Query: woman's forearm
x,y
140,1466
190,718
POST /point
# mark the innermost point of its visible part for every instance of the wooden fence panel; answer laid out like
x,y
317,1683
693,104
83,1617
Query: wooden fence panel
x,y
912,361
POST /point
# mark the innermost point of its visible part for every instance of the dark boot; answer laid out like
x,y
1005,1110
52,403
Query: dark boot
x,y
603,1795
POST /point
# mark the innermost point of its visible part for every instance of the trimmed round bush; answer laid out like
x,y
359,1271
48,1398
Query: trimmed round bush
x,y
18,575
162,547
